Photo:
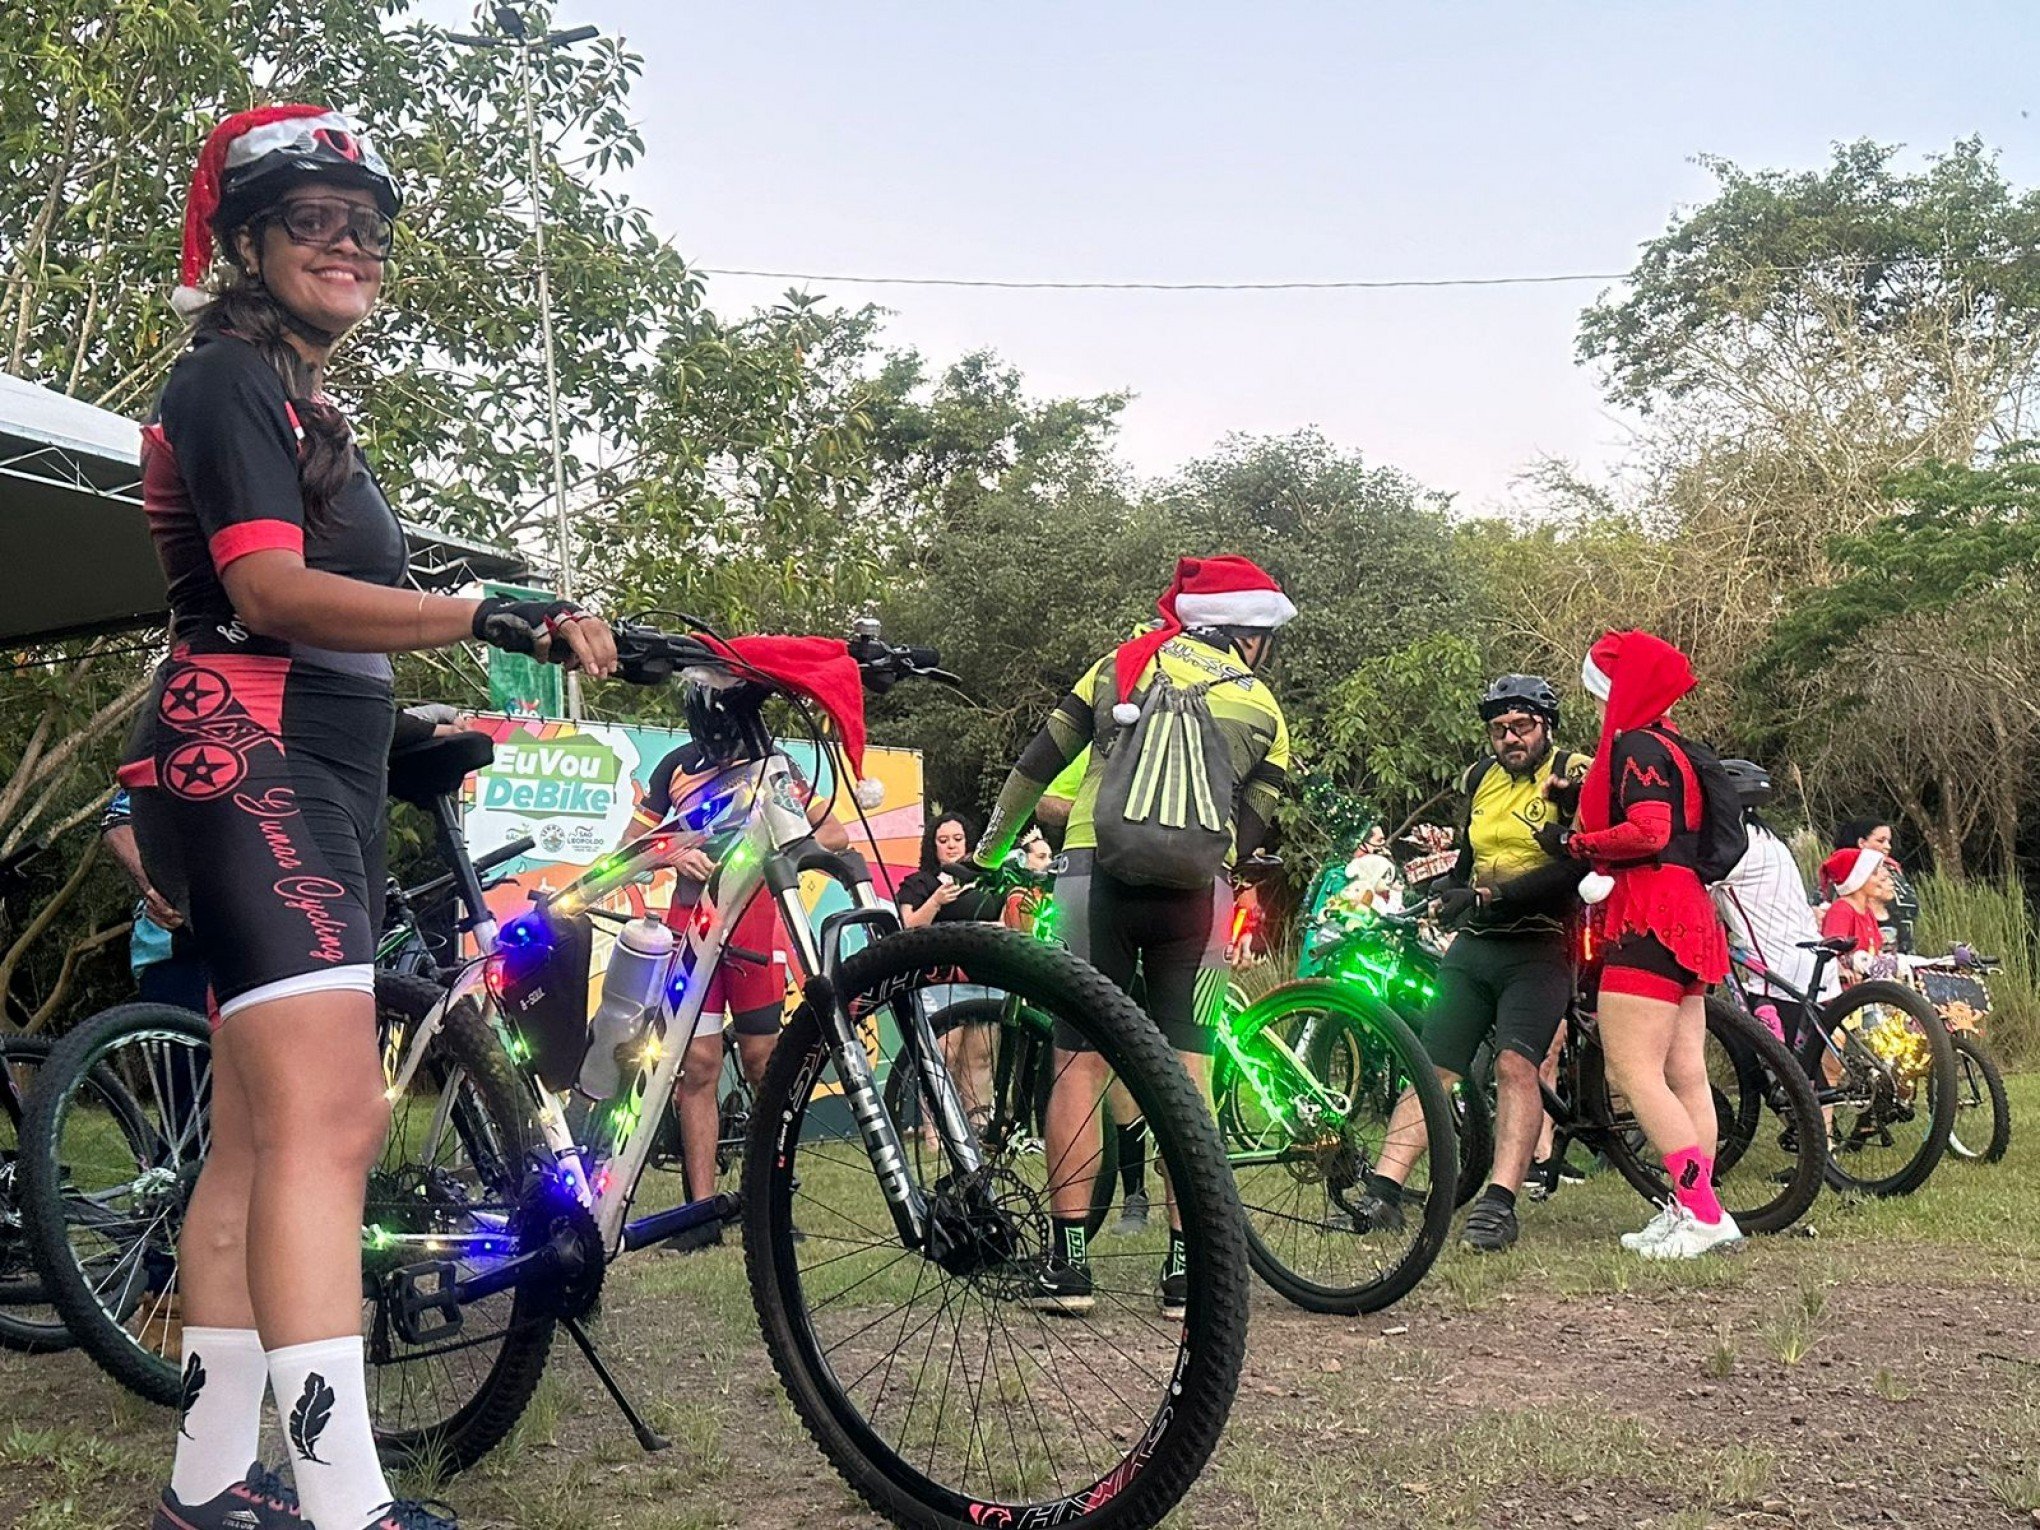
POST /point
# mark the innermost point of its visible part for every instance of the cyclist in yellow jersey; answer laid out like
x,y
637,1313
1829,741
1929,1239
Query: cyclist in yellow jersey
x,y
1508,974
1127,902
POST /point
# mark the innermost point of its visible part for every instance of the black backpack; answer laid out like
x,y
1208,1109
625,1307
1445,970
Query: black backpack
x,y
1718,825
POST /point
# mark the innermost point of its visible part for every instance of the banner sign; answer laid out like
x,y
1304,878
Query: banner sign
x,y
519,685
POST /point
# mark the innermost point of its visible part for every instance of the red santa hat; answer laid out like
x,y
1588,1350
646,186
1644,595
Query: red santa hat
x,y
822,670
1224,591
1599,665
1848,870
241,140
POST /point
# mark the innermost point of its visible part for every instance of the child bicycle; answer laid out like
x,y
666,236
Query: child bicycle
x,y
895,1320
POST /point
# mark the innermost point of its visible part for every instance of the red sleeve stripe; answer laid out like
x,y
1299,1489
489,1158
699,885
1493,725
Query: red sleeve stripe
x,y
137,775
245,537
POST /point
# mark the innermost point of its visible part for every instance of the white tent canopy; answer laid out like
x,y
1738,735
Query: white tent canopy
x,y
75,555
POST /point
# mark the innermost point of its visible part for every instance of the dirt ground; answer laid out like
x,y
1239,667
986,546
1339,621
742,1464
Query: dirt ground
x,y
1885,1371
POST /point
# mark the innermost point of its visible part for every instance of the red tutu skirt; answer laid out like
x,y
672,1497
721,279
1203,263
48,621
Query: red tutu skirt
x,y
1669,903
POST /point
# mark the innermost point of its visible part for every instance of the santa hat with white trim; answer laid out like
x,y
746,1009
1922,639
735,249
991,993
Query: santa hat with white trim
x,y
1223,591
1849,871
251,159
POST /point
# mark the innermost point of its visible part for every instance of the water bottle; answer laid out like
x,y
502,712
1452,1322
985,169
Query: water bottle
x,y
630,988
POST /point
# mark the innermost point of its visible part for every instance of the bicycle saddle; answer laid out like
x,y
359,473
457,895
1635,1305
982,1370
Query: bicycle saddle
x,y
426,772
1838,945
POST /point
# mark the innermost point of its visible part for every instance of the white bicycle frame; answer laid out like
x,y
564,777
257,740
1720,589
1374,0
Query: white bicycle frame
x,y
754,809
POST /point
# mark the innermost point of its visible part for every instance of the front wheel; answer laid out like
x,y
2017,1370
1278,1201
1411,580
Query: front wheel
x,y
1983,1113
976,1376
1325,1081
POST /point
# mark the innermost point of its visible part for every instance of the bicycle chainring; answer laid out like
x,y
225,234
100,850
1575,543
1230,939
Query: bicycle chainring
x,y
571,1288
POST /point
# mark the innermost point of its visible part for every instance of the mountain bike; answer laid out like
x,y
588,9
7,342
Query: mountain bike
x,y
118,1125
1958,988
894,1319
1766,1172
1882,1067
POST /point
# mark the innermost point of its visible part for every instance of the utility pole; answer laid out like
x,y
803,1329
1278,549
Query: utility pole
x,y
518,36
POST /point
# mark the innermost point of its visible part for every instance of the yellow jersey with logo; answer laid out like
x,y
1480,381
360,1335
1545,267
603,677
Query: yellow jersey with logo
x,y
1507,811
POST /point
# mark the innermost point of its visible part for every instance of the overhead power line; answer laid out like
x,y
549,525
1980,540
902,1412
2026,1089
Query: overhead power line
x,y
1355,284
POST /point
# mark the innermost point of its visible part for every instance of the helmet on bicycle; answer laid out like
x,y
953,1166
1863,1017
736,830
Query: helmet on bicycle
x,y
1752,782
1520,693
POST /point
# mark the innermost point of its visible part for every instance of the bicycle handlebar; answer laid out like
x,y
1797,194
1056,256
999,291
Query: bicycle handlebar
x,y
647,656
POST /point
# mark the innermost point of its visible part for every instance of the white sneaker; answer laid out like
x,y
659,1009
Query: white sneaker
x,y
1690,1237
1666,1219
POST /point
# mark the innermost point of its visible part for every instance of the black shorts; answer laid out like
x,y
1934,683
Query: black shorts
x,y
1643,965
260,785
1514,988
1161,933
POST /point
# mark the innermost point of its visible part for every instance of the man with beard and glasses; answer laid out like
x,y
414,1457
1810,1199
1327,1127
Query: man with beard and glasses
x,y
1508,975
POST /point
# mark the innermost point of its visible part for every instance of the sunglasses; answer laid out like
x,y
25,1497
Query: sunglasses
x,y
324,221
1502,728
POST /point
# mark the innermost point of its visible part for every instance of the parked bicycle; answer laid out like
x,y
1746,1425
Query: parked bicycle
x,y
895,1323
1882,1067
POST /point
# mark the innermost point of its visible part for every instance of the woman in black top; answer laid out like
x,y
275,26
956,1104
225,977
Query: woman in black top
x,y
941,888
257,770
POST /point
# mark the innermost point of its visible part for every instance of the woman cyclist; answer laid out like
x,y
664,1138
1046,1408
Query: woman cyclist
x,y
257,769
1641,810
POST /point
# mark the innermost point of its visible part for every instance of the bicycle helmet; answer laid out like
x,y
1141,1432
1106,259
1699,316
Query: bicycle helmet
x,y
1520,693
264,162
1752,782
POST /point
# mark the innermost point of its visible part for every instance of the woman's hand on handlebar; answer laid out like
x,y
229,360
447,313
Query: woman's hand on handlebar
x,y
551,631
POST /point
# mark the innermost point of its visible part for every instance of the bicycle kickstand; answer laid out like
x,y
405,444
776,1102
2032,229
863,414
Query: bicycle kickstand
x,y
647,1436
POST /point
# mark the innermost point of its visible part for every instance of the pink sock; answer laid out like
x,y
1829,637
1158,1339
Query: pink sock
x,y
1693,1184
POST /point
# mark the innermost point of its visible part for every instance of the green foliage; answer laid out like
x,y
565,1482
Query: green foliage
x,y
1403,725
1809,264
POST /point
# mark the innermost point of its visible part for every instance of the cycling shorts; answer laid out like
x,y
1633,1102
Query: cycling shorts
x,y
1073,913
1643,965
1514,988
1163,934
260,786
753,993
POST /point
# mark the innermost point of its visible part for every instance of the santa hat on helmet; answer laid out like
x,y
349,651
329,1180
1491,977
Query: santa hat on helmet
x,y
1225,591
241,140
1848,871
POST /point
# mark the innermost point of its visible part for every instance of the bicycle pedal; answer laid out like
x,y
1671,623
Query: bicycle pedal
x,y
424,1301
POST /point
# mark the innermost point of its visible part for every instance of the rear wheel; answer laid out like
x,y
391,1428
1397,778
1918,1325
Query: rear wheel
x,y
935,1378
111,1148
1887,1082
1316,1071
448,1187
28,1323
1983,1113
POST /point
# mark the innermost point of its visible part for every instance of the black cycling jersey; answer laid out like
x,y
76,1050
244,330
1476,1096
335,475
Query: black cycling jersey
x,y
258,767
220,481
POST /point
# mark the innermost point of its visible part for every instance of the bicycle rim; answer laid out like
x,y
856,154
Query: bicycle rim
x,y
119,1132
943,1395
1317,1072
1887,1085
28,1322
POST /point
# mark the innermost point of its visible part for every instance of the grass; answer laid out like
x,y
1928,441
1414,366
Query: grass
x,y
1526,1390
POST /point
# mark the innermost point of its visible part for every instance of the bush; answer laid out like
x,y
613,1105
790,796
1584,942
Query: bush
x,y
1995,919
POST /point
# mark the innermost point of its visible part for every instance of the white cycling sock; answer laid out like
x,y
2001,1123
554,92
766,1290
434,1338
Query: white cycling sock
x,y
322,1398
219,1428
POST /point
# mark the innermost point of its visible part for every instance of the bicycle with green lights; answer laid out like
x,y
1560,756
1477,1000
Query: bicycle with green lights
x,y
1305,1081
888,1282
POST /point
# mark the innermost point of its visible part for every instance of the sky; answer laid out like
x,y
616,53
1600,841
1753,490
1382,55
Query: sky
x,y
1192,141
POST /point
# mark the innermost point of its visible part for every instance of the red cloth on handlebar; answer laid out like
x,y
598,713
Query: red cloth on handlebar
x,y
820,669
